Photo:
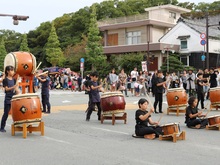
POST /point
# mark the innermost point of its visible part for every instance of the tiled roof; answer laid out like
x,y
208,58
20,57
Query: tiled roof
x,y
199,25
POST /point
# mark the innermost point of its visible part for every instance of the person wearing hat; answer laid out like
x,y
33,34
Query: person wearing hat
x,y
45,81
143,118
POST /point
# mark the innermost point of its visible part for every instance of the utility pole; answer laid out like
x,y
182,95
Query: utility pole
x,y
207,38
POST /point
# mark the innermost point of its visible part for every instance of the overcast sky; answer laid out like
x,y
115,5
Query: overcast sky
x,y
43,10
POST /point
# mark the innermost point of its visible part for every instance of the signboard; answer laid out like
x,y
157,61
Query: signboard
x,y
82,60
203,57
144,65
203,42
203,36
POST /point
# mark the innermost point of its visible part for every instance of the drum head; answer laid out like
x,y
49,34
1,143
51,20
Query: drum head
x,y
175,89
213,116
25,95
34,63
110,94
10,60
214,89
169,124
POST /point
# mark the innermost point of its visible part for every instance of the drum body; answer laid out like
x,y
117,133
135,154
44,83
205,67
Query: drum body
x,y
176,97
26,108
112,102
214,120
169,129
214,94
23,62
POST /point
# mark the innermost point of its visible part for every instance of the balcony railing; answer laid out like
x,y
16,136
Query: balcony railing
x,y
134,18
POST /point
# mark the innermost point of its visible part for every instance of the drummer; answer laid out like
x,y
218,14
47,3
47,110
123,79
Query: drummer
x,y
193,117
11,88
143,117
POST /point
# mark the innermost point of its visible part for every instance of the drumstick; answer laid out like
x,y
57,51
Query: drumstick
x,y
37,67
160,117
42,73
148,98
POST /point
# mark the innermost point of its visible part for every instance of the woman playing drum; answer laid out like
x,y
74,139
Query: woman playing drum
x,y
143,117
192,114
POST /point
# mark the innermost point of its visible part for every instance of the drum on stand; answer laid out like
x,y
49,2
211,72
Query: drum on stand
x,y
26,108
176,97
169,129
23,62
213,120
112,103
214,94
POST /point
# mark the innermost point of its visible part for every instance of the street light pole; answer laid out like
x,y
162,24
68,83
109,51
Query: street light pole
x,y
16,18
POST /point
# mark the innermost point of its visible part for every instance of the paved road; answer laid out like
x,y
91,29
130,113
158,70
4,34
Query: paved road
x,y
70,140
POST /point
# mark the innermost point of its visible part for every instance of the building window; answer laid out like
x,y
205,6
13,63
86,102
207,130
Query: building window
x,y
172,15
133,37
184,60
183,44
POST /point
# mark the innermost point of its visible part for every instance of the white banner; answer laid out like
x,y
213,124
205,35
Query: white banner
x,y
144,65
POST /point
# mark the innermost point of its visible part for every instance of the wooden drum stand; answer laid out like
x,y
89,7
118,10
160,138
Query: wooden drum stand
x,y
114,117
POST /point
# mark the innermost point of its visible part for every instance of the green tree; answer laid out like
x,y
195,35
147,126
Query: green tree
x,y
174,64
54,54
94,50
3,53
24,44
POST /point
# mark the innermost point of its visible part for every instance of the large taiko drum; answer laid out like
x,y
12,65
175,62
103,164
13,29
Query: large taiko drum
x,y
214,120
26,108
169,129
23,62
214,94
176,97
112,102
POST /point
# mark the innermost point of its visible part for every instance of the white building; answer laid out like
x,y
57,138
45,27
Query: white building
x,y
187,34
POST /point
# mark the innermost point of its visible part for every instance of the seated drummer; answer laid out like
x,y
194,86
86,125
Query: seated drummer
x,y
193,117
143,117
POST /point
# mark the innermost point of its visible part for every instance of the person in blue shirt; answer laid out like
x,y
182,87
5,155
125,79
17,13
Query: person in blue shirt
x,y
45,81
11,88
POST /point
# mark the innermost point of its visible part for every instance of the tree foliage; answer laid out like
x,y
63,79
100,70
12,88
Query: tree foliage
x,y
3,53
175,64
94,50
54,54
24,44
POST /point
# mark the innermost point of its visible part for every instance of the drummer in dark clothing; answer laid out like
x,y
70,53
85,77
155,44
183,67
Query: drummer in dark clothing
x,y
143,117
94,96
192,114
45,81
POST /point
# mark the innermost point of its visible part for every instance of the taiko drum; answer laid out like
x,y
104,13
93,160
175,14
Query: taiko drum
x,y
214,94
112,102
176,97
26,107
169,129
214,120
23,62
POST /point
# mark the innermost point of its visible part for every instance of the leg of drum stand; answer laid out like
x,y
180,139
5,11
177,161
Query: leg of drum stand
x,y
177,111
125,118
12,130
113,119
174,138
168,111
42,128
24,130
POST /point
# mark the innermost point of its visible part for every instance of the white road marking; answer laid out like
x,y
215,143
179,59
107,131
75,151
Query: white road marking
x,y
108,130
56,140
66,101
